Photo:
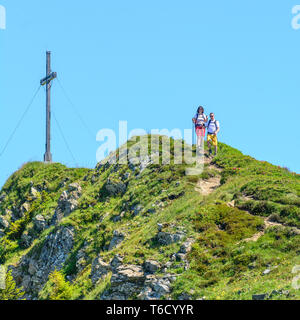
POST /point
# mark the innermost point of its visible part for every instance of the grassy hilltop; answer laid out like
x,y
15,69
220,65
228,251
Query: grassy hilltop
x,y
142,231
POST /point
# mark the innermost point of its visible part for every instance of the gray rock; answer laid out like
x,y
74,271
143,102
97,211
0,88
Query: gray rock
x,y
104,217
116,261
115,188
119,217
40,223
81,263
67,203
151,266
275,293
286,293
166,238
259,296
131,273
39,263
25,208
126,281
26,282
185,296
118,237
145,162
173,257
26,240
156,287
4,222
186,246
267,271
99,269
81,258
162,287
127,175
18,213
34,193
137,210
75,187
116,219
146,294
252,265
151,210
180,257
33,267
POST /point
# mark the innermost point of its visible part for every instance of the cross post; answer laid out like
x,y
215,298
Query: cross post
x,y
47,81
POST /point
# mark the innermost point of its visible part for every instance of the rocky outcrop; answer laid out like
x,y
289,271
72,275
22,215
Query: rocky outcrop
x,y
126,281
156,288
99,269
26,240
129,281
33,270
19,212
39,223
137,209
116,261
67,203
82,258
167,238
118,237
115,187
151,266
4,224
119,217
34,193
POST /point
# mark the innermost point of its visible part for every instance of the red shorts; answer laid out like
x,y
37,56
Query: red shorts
x,y
200,132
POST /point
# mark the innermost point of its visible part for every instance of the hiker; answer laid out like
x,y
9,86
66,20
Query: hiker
x,y
200,120
213,128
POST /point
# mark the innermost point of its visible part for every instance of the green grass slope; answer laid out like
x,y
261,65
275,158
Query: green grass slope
x,y
221,263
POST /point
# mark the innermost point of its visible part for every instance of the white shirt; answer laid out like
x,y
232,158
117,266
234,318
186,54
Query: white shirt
x,y
213,126
201,119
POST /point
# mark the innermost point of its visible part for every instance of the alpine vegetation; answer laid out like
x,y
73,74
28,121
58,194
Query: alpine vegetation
x,y
144,229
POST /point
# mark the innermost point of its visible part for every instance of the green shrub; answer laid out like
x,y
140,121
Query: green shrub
x,y
11,291
57,288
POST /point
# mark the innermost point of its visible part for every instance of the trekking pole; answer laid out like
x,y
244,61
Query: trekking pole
x,y
193,135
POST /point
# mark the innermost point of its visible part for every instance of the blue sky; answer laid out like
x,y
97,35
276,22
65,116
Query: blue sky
x,y
151,63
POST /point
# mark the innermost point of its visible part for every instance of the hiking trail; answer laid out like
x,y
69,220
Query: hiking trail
x,y
267,223
206,187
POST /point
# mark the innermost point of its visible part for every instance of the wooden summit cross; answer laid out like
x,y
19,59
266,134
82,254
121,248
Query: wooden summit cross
x,y
47,81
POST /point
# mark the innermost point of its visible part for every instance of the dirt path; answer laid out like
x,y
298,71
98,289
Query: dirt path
x,y
268,224
206,187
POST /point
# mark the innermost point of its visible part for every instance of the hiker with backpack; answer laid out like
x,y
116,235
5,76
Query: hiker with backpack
x,y
213,128
200,120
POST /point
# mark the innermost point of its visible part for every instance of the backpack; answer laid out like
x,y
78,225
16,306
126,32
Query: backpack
x,y
215,122
199,125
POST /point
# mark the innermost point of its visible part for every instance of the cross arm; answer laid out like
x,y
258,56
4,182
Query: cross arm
x,y
49,78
